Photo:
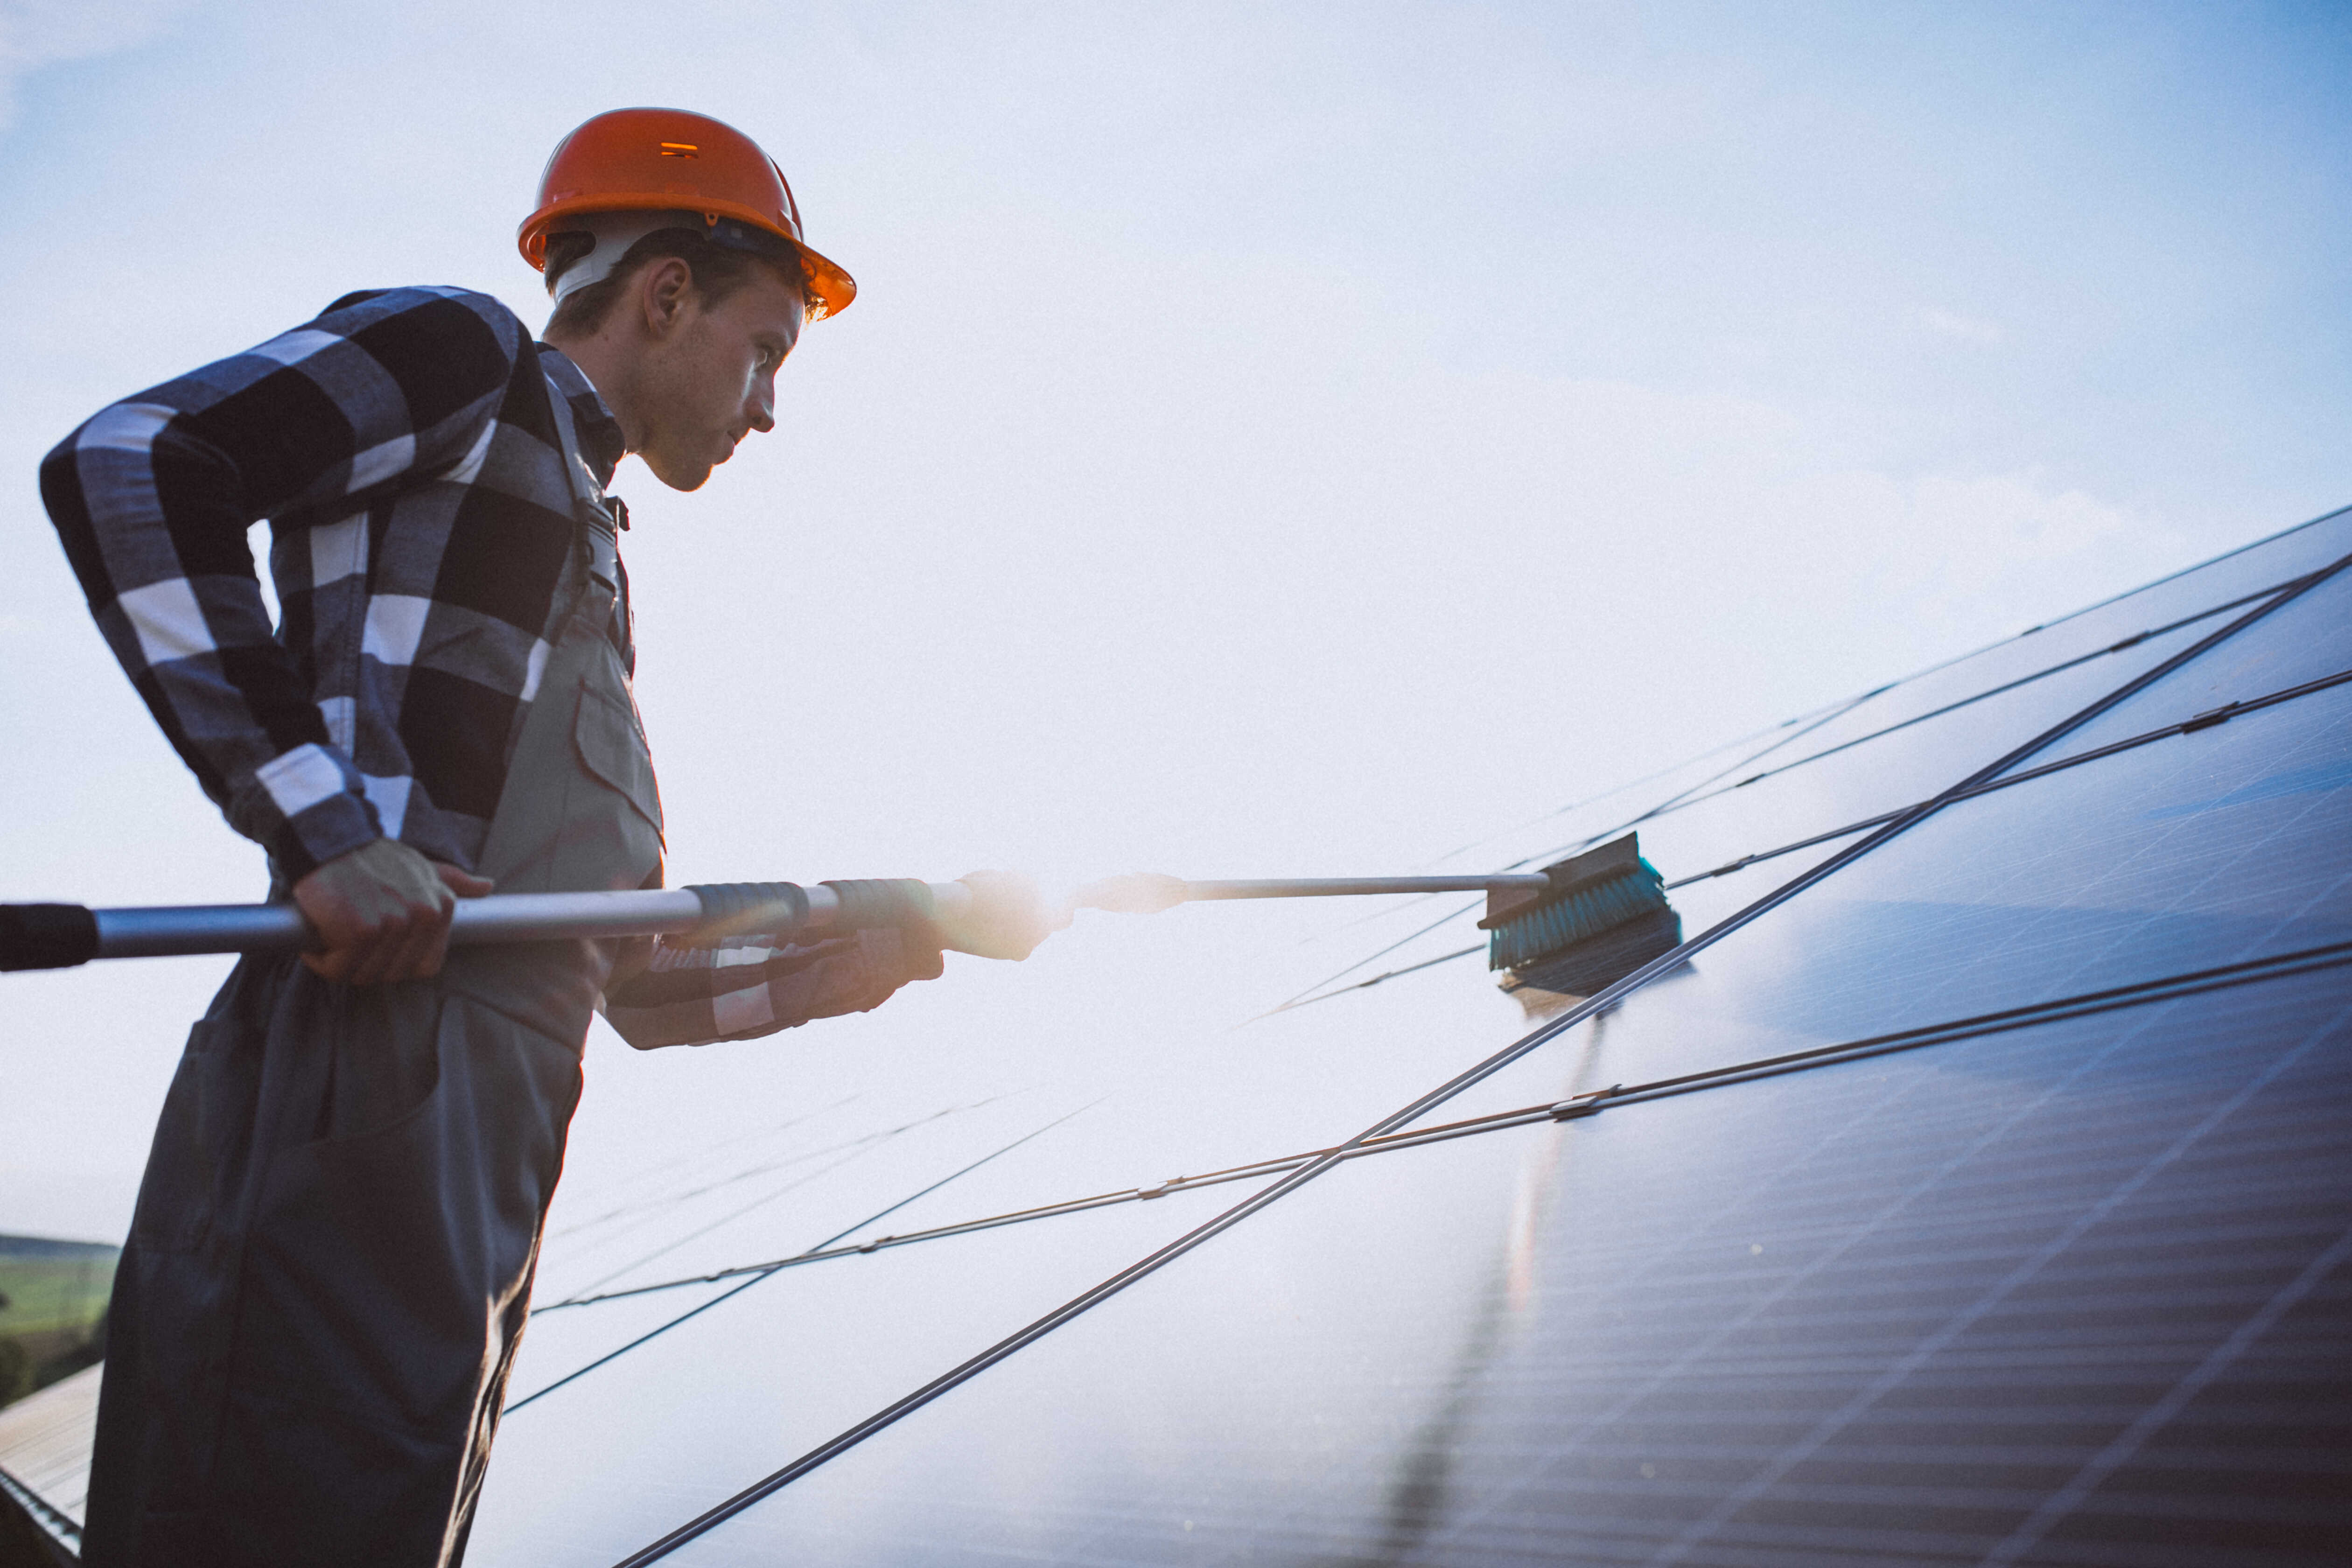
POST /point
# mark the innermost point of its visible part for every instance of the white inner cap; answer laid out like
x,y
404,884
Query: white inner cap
x,y
614,233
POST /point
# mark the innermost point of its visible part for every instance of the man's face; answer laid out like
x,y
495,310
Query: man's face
x,y
712,380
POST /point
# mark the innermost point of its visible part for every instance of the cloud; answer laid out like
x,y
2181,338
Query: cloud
x,y
1965,556
38,33
1964,329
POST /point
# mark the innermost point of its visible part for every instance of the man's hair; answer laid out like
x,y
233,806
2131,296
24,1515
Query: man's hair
x,y
718,270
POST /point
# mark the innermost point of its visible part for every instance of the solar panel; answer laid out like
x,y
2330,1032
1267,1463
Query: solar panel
x,y
2224,847
2066,1292
1856,761
2213,848
2305,639
1877,775
608,1461
2196,600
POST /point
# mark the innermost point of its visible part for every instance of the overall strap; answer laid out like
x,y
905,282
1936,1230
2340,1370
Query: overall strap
x,y
603,600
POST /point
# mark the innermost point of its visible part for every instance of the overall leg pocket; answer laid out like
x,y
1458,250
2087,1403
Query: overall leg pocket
x,y
206,1138
380,1277
377,1257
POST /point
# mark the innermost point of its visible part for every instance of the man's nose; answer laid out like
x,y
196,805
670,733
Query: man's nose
x,y
761,406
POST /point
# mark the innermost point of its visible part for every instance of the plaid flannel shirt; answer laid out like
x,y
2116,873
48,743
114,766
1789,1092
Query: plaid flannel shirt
x,y
424,466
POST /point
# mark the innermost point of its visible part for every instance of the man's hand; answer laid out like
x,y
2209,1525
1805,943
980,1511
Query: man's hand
x,y
1006,919
383,910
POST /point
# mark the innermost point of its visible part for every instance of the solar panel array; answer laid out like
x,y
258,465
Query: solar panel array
x,y
1974,1185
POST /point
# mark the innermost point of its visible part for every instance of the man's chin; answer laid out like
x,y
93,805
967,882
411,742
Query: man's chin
x,y
686,475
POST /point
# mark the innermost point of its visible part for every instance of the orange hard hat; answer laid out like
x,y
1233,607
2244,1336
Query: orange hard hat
x,y
668,159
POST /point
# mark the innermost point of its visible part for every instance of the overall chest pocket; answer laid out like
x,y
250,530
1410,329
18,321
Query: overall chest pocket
x,y
612,748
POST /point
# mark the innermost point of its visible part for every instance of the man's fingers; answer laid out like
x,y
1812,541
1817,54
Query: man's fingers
x,y
345,936
374,957
382,913
425,929
407,954
334,965
436,949
389,938
402,948
355,919
420,956
463,883
338,925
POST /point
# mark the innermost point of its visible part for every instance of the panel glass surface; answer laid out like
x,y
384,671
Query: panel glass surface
x,y
1722,826
2308,639
598,1467
824,1174
2203,592
1880,722
2090,637
2264,564
1882,775
2227,845
2076,1292
1596,814
687,1163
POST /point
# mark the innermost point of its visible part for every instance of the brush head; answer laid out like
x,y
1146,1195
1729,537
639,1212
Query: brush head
x,y
1604,916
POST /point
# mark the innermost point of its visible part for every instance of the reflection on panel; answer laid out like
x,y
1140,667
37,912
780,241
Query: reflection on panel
x,y
2308,639
1597,816
2230,844
2090,638
1881,775
1113,1062
823,1175
1861,759
2070,1293
2206,598
605,1463
1732,820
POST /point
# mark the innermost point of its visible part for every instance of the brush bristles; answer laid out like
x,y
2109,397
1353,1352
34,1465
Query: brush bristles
x,y
1597,906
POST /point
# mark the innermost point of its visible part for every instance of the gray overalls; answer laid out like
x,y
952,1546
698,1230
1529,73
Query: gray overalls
x,y
330,1264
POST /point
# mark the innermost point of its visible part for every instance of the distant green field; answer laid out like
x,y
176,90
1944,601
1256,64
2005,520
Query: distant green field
x,y
52,1309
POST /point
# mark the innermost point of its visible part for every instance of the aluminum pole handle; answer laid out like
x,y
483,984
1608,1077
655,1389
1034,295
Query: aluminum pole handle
x,y
1148,893
60,936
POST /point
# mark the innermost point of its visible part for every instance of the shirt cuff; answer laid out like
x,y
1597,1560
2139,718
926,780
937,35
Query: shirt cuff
x,y
304,807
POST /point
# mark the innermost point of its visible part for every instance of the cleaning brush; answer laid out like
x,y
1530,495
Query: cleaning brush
x,y
1603,916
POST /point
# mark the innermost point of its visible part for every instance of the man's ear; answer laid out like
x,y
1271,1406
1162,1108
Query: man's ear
x,y
664,293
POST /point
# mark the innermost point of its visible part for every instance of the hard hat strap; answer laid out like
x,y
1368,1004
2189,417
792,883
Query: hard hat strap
x,y
615,232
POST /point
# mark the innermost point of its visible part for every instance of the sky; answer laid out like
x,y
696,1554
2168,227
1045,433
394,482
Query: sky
x,y
1269,439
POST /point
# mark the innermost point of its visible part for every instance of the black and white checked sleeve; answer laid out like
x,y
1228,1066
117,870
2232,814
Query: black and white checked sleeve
x,y
152,497
692,996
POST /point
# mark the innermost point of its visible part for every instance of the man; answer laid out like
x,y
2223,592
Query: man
x,y
331,1262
